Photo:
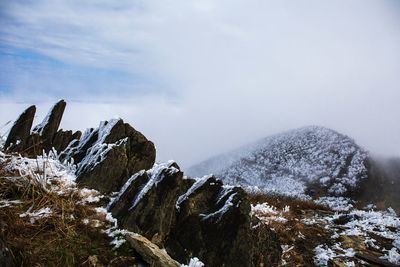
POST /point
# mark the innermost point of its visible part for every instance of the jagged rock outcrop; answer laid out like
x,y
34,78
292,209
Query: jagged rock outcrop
x,y
20,131
45,136
214,224
158,188
43,133
62,139
107,156
190,217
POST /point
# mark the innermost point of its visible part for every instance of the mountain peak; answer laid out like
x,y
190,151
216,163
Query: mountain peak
x,y
293,162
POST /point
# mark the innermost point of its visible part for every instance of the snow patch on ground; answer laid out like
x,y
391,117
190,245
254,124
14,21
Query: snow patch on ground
x,y
323,254
194,262
336,203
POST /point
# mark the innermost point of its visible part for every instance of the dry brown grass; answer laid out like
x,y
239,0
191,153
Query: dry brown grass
x,y
61,239
294,232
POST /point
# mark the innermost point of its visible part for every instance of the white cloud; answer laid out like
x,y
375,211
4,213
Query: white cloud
x,y
234,70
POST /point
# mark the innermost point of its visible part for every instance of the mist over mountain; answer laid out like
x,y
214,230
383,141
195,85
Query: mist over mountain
x,y
289,163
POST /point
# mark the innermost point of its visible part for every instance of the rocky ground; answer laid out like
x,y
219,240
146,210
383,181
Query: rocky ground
x,y
331,231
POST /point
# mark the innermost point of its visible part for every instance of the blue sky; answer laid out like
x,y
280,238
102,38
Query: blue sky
x,y
30,76
200,77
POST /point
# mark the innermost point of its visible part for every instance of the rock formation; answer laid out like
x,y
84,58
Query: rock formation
x,y
21,130
188,217
107,156
48,128
44,136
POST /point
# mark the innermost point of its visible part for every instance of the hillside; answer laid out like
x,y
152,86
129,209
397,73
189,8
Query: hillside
x,y
292,163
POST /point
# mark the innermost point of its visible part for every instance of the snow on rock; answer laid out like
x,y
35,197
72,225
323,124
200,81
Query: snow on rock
x,y
98,149
155,177
124,188
218,214
199,182
287,163
39,128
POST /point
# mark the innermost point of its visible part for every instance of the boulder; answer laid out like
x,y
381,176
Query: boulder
x,y
150,252
108,155
146,204
20,131
103,167
214,224
188,217
48,128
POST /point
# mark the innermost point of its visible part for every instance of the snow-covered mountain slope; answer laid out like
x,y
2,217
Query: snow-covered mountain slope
x,y
293,162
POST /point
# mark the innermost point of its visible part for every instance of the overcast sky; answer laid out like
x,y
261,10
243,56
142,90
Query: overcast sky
x,y
203,77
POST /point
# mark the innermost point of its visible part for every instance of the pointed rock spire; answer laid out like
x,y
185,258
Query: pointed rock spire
x,y
21,129
48,128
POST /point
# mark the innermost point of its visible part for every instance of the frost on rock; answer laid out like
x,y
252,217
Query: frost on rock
x,y
286,163
96,155
218,214
155,177
199,183
124,188
97,136
39,128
